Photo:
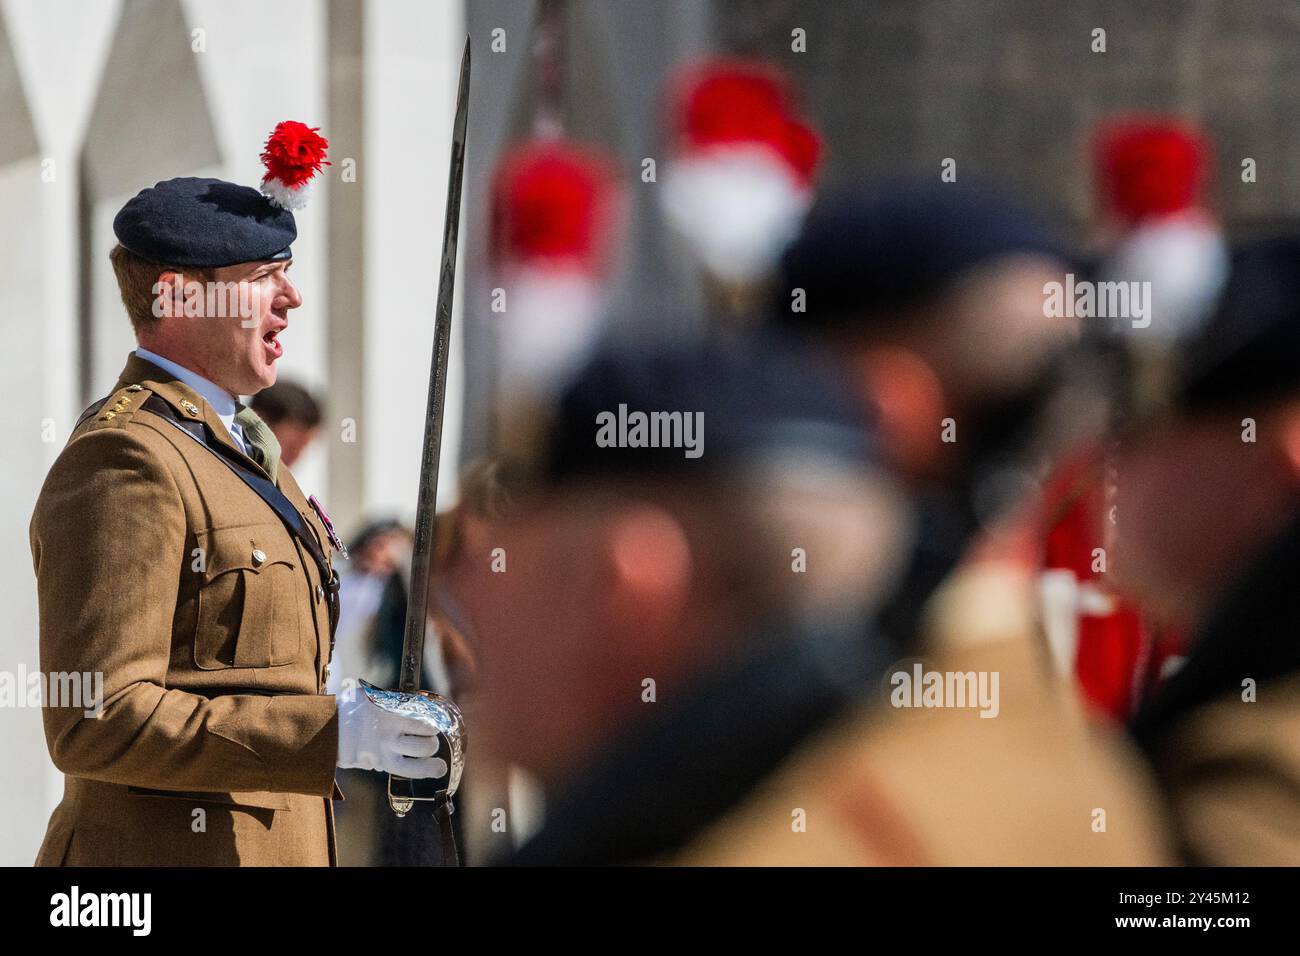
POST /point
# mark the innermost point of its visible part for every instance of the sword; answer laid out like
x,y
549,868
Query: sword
x,y
408,697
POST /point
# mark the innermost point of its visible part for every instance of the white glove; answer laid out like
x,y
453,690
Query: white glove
x,y
371,738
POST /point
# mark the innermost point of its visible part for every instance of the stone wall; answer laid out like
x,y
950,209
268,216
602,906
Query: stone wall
x,y
1011,88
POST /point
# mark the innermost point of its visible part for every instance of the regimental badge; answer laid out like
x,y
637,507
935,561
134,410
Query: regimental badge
x,y
329,526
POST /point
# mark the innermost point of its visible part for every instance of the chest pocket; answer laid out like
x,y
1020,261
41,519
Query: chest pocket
x,y
248,599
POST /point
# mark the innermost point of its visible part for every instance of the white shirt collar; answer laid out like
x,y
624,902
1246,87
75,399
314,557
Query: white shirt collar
x,y
222,402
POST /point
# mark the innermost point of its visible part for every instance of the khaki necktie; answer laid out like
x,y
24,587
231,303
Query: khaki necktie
x,y
262,445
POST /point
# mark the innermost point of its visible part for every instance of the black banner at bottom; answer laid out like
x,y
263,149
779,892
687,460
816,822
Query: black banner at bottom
x,y
267,906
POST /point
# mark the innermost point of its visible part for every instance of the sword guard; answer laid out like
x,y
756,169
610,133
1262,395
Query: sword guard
x,y
443,713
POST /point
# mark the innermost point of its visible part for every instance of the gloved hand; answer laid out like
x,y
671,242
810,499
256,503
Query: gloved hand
x,y
371,738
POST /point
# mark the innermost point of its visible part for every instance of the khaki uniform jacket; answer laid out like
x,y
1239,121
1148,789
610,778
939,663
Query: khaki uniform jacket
x,y
159,568
1232,771
947,787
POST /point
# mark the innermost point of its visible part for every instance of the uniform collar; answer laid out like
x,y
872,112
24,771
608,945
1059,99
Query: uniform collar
x,y
155,372
222,402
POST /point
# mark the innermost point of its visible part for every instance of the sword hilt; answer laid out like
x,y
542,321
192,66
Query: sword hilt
x,y
402,802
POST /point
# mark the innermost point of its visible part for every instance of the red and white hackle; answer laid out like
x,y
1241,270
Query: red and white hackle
x,y
1151,172
293,155
743,167
555,220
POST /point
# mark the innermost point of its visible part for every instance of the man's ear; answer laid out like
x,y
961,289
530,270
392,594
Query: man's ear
x,y
169,295
649,561
908,401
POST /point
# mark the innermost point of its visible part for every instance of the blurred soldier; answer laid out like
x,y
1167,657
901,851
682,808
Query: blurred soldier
x,y
930,300
214,643
645,651
680,706
934,300
1150,173
1209,541
293,415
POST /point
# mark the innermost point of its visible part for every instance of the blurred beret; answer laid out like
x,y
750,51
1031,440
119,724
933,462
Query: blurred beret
x,y
863,254
1250,348
761,400
204,223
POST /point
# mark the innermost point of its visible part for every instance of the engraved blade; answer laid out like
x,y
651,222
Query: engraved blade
x,y
426,505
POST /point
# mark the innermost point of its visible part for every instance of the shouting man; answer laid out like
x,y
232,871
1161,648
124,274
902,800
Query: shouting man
x,y
179,563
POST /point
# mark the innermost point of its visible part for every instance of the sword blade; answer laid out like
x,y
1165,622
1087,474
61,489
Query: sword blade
x,y
417,607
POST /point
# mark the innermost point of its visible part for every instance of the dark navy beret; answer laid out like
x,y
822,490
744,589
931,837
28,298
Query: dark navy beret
x,y
759,400
866,253
204,223
1250,349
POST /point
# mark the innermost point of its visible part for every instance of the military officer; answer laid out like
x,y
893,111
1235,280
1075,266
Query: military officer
x,y
178,558
929,299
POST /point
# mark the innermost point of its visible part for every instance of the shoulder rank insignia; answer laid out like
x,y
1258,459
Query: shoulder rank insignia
x,y
112,411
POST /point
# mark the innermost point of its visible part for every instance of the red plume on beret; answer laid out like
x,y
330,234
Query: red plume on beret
x,y
293,155
552,203
1150,166
732,102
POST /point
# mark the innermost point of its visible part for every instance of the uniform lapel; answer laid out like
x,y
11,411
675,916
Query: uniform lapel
x,y
181,397
219,432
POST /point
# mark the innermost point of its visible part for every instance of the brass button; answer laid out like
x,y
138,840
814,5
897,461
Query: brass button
x,y
135,388
190,408
258,555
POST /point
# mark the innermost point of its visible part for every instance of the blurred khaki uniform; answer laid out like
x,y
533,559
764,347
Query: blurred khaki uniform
x,y
157,566
949,787
1232,771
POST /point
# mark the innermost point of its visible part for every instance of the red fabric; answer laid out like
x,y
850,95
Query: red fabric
x,y
728,102
551,201
1109,661
1150,166
1113,648
294,153
1073,498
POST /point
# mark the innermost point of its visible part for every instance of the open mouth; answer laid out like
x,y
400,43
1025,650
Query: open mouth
x,y
271,339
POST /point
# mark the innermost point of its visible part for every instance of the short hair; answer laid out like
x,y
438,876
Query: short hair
x,y
136,278
287,401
